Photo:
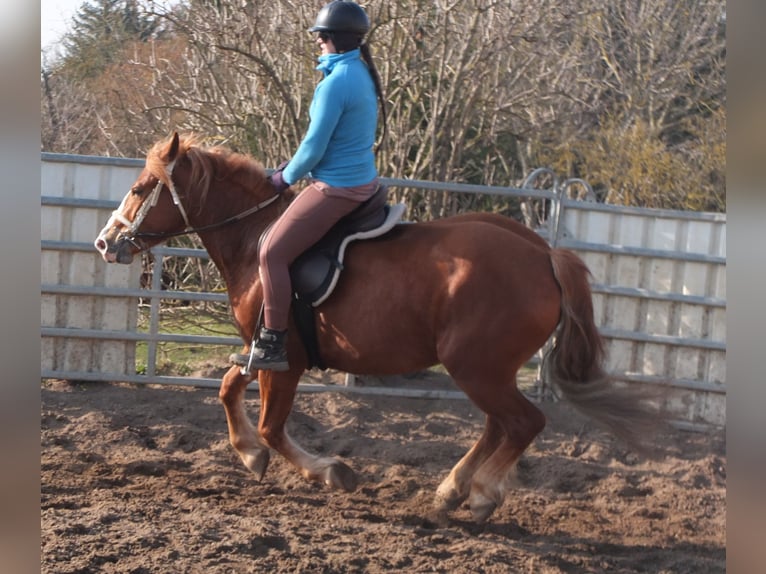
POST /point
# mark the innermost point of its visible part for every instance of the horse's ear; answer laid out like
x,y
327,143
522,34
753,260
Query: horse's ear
x,y
172,150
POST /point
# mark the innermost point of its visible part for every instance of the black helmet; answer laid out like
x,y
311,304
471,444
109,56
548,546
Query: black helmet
x,y
340,16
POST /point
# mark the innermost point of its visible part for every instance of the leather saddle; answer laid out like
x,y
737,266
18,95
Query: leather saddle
x,y
315,273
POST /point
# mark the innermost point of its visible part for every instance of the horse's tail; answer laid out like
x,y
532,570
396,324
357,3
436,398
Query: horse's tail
x,y
575,361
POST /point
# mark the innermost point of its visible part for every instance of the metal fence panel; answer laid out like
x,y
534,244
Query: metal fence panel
x,y
660,283
659,287
68,259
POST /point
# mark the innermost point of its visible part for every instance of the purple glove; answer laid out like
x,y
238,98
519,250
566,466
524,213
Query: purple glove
x,y
277,180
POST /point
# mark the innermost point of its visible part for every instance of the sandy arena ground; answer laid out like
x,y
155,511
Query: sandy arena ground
x,y
141,479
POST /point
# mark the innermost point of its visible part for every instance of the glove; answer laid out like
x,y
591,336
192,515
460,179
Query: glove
x,y
277,180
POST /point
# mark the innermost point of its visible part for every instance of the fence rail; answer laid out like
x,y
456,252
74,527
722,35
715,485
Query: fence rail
x,y
659,299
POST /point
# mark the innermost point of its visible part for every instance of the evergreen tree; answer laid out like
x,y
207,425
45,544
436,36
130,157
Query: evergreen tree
x,y
100,29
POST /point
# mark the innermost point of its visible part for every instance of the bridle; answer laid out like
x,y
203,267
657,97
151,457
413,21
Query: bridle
x,y
132,235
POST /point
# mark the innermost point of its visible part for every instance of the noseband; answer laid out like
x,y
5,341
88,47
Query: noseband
x,y
132,235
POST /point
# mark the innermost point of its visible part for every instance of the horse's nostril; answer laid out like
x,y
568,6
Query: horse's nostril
x,y
100,244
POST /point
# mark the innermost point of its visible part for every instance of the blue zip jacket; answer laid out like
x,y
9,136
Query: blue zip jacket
x,y
338,146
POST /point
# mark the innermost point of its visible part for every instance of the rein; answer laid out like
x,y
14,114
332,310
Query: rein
x,y
132,233
189,230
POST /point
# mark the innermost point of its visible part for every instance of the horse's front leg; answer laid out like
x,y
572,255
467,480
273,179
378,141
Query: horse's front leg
x,y
242,434
277,395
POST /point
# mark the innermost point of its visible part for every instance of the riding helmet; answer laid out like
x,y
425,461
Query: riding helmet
x,y
341,16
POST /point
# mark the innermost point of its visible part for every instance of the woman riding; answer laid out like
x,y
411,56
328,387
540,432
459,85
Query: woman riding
x,y
337,156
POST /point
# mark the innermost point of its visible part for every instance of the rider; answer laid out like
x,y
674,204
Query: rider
x,y
336,154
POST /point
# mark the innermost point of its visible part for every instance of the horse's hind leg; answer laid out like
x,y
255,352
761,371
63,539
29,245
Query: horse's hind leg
x,y
482,475
521,422
457,486
242,434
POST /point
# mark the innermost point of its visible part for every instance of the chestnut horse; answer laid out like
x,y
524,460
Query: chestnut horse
x,y
478,293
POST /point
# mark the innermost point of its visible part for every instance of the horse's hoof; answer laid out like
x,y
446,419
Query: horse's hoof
x,y
438,518
447,502
257,463
340,476
481,507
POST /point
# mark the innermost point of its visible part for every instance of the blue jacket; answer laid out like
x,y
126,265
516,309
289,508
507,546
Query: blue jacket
x,y
338,146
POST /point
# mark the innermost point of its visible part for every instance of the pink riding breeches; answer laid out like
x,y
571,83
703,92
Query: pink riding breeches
x,y
310,215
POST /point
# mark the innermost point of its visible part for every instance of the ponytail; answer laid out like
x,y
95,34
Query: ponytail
x,y
367,56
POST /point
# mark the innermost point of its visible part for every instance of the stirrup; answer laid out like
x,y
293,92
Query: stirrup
x,y
250,364
267,352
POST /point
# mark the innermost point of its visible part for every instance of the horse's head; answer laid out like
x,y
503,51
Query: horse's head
x,y
150,212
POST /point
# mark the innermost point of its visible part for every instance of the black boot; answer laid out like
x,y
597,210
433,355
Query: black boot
x,y
267,353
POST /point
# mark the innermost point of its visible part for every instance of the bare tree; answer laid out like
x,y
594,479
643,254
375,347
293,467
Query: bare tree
x,y
478,91
652,74
66,109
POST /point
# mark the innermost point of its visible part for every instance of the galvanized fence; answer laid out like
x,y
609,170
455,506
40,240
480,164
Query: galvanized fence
x,y
659,287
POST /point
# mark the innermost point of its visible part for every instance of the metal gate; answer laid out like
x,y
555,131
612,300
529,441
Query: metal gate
x,y
658,282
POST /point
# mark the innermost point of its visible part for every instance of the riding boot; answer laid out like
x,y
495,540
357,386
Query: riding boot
x,y
267,353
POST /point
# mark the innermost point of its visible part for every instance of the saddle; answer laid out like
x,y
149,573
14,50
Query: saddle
x,y
315,273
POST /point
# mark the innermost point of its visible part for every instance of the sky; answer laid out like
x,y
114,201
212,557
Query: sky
x,y
55,18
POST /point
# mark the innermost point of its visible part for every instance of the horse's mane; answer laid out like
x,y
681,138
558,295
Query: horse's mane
x,y
207,162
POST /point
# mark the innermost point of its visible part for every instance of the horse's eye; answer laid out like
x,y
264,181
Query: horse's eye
x,y
136,190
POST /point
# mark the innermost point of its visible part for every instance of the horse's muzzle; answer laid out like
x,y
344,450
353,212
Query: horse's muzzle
x,y
120,251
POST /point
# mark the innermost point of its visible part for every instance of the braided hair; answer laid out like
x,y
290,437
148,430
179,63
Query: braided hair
x,y
364,48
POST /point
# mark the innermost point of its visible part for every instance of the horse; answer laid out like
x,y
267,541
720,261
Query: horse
x,y
478,293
